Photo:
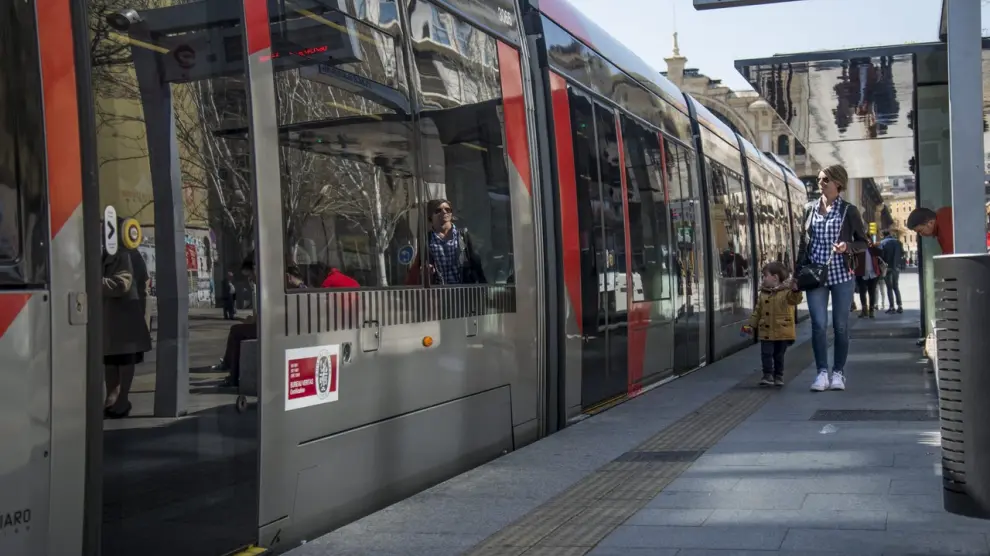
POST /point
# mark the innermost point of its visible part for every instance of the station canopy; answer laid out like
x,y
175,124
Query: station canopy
x,y
849,107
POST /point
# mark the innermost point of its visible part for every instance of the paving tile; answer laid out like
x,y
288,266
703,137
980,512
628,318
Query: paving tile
x,y
928,485
626,551
815,459
710,552
941,521
737,538
729,500
670,517
887,542
827,485
922,502
699,484
804,519
916,460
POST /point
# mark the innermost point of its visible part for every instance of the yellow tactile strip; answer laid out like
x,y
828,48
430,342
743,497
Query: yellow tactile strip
x,y
573,522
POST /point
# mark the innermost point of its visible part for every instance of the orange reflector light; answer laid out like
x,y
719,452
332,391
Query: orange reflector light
x,y
427,341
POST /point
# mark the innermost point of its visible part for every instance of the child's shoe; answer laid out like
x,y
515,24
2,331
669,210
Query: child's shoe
x,y
767,380
778,380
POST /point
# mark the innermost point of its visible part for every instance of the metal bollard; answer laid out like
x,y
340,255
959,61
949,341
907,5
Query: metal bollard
x,y
962,313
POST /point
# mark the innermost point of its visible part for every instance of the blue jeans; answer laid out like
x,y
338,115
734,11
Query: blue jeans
x,y
842,296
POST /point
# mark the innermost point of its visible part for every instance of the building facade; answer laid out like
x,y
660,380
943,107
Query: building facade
x,y
745,112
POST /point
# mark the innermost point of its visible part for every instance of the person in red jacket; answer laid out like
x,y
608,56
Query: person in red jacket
x,y
337,279
937,224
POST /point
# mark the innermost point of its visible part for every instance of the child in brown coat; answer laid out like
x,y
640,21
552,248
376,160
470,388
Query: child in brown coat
x,y
773,321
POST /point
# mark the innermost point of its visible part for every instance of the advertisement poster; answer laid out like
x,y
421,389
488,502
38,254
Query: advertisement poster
x,y
311,376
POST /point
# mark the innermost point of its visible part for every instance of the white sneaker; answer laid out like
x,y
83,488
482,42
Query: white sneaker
x,y
838,382
821,382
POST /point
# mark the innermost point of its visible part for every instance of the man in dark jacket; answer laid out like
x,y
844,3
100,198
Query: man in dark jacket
x,y
892,251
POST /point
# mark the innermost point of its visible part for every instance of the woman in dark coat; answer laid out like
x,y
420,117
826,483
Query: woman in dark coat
x,y
125,334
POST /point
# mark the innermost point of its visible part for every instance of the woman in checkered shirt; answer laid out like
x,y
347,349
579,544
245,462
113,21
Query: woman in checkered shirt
x,y
833,230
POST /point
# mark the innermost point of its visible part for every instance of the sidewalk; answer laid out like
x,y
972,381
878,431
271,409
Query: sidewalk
x,y
711,465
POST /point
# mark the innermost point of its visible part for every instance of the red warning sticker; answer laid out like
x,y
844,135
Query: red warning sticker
x,y
312,376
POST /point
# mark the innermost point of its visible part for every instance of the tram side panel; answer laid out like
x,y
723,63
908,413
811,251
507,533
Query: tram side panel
x,y
42,410
731,244
376,393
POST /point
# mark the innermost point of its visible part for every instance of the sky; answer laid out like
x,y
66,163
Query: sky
x,y
712,40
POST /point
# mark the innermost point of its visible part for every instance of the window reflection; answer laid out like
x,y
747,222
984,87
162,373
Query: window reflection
x,y
731,239
346,155
462,145
647,212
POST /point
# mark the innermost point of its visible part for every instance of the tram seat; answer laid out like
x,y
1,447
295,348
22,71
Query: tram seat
x,y
250,366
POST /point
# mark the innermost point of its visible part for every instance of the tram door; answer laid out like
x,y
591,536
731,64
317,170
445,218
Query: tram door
x,y
601,225
690,317
181,421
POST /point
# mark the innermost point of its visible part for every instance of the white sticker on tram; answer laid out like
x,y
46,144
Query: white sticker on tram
x,y
110,232
312,376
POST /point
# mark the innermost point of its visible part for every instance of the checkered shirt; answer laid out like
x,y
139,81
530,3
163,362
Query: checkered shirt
x,y
824,234
445,256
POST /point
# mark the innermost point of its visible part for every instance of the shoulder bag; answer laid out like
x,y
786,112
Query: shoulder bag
x,y
814,275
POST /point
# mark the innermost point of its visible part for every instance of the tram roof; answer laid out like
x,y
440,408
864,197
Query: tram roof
x,y
592,35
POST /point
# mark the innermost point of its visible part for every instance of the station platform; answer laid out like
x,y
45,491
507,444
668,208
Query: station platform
x,y
712,464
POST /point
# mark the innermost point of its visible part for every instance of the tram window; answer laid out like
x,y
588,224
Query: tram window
x,y
462,143
10,211
731,239
24,225
345,132
648,234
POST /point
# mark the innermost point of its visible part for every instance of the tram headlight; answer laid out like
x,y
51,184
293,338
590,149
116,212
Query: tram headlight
x,y
123,19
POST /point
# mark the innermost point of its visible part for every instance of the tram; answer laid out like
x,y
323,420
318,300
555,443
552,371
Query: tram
x,y
531,224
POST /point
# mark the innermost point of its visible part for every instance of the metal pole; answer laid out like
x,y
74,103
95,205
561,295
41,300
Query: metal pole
x,y
172,362
966,126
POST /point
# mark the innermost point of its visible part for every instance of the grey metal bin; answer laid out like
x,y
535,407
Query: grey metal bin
x,y
962,314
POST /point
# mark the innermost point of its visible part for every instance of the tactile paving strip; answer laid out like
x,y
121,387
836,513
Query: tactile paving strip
x,y
574,521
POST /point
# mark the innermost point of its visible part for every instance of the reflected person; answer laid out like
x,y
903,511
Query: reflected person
x,y
125,335
451,253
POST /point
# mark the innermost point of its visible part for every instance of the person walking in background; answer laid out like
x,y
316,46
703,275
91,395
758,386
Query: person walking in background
x,y
892,251
773,321
228,296
867,269
938,224
833,229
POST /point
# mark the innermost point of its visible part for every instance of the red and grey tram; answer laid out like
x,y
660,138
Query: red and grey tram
x,y
267,266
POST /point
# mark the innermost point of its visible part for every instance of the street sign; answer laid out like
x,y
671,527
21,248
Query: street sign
x,y
716,4
406,255
110,235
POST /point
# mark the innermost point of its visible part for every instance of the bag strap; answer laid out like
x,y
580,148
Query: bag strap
x,y
845,209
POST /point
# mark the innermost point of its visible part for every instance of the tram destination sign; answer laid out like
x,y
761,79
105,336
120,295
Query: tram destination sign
x,y
717,4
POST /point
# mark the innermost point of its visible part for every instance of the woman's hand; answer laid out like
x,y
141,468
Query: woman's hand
x,y
840,247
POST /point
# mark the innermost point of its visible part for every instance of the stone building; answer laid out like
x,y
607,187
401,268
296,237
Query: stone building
x,y
745,112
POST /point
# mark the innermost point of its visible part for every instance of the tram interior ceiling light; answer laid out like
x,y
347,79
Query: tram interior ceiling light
x,y
123,19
